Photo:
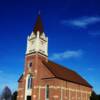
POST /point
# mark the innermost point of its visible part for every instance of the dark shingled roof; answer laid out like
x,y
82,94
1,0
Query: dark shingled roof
x,y
38,25
65,73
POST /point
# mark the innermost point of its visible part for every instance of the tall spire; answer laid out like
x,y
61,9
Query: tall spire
x,y
38,25
37,42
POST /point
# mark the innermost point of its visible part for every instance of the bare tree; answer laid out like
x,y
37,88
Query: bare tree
x,y
6,94
0,97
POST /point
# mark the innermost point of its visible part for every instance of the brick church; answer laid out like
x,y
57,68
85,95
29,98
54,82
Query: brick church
x,y
43,79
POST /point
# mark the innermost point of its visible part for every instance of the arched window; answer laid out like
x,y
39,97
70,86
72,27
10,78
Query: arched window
x,y
47,92
30,64
29,85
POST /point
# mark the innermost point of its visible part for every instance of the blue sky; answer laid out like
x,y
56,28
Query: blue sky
x,y
73,28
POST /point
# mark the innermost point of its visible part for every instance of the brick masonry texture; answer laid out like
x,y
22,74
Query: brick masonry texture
x,y
41,76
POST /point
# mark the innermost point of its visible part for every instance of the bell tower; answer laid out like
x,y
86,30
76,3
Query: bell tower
x,y
37,42
36,51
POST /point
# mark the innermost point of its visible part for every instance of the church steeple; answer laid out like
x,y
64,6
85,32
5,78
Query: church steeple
x,y
38,25
37,42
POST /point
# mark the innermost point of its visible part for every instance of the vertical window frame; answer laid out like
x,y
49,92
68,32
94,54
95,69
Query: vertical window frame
x,y
47,92
29,82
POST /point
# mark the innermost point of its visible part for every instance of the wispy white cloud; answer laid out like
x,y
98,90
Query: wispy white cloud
x,y
82,22
67,55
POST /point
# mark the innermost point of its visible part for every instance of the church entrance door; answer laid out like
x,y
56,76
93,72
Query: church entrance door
x,y
28,97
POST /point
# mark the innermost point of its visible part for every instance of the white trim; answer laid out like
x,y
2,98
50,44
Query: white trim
x,y
69,93
27,92
55,96
61,93
34,96
39,93
81,94
63,88
86,96
76,94
19,89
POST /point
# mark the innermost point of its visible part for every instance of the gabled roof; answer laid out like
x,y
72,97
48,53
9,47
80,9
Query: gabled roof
x,y
38,25
65,74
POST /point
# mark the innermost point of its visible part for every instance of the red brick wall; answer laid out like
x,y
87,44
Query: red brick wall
x,y
59,89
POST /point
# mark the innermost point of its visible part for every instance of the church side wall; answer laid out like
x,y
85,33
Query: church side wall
x,y
58,89
61,90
